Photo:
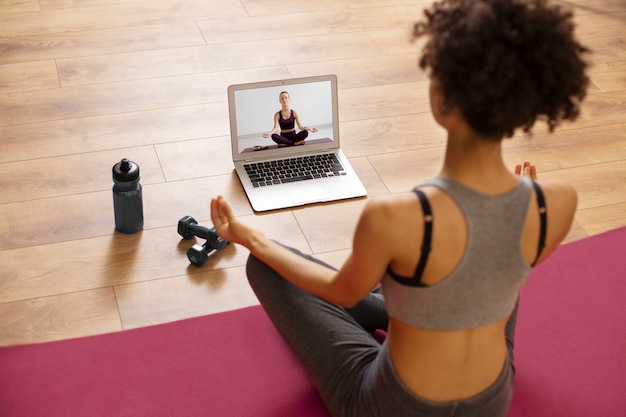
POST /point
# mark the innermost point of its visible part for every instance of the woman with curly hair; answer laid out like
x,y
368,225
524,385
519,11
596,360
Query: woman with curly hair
x,y
450,255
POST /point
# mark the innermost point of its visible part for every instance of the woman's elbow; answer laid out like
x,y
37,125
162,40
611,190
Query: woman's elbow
x,y
344,297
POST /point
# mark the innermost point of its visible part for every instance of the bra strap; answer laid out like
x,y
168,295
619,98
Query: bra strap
x,y
427,238
541,204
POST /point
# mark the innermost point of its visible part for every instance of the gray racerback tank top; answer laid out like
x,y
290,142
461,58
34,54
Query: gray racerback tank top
x,y
485,285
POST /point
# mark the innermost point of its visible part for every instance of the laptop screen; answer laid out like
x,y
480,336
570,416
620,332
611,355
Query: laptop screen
x,y
269,118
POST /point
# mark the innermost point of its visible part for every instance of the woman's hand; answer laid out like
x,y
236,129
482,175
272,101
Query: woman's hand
x,y
526,169
227,225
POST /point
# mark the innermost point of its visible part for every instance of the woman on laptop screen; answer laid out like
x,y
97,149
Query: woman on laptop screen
x,y
452,254
286,120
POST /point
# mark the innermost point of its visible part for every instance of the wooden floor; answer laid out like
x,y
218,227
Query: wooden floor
x,y
86,83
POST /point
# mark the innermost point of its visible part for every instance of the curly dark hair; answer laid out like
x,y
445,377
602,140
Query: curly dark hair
x,y
505,63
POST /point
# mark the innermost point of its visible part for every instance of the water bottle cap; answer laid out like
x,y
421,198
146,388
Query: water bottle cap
x,y
125,170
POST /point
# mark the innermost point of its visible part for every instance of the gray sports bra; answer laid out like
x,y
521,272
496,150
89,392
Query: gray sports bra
x,y
485,285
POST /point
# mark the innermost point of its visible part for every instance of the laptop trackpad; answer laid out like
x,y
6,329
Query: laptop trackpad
x,y
307,192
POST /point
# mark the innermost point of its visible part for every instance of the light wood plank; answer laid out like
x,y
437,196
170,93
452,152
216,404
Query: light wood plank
x,y
373,136
569,148
369,177
196,158
600,109
28,76
61,4
255,53
18,6
86,15
401,171
575,233
365,72
597,185
601,219
324,22
610,76
602,24
605,50
119,259
586,7
72,174
61,317
114,131
263,7
209,292
105,41
330,226
383,101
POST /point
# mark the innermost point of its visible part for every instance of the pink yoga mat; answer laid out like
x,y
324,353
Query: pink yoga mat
x,y
227,364
570,350
570,356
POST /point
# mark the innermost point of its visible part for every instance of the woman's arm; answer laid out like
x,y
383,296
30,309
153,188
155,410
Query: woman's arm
x,y
274,129
359,274
561,201
300,126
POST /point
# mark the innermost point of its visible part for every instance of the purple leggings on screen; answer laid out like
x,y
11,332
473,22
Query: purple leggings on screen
x,y
290,138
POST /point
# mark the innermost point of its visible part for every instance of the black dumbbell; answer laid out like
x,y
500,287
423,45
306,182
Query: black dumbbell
x,y
198,254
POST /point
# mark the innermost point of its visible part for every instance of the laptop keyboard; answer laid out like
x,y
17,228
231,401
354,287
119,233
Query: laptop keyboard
x,y
301,168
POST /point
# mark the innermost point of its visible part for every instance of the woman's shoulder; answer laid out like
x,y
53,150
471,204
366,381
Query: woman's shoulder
x,y
393,207
558,192
390,201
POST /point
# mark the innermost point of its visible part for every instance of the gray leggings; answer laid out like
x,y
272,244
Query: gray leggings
x,y
352,371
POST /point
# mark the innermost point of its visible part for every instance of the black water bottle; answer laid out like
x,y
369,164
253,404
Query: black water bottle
x,y
127,197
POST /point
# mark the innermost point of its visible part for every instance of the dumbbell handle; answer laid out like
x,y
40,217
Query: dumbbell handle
x,y
201,231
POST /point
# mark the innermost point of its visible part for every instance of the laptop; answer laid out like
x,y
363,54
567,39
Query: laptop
x,y
301,162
